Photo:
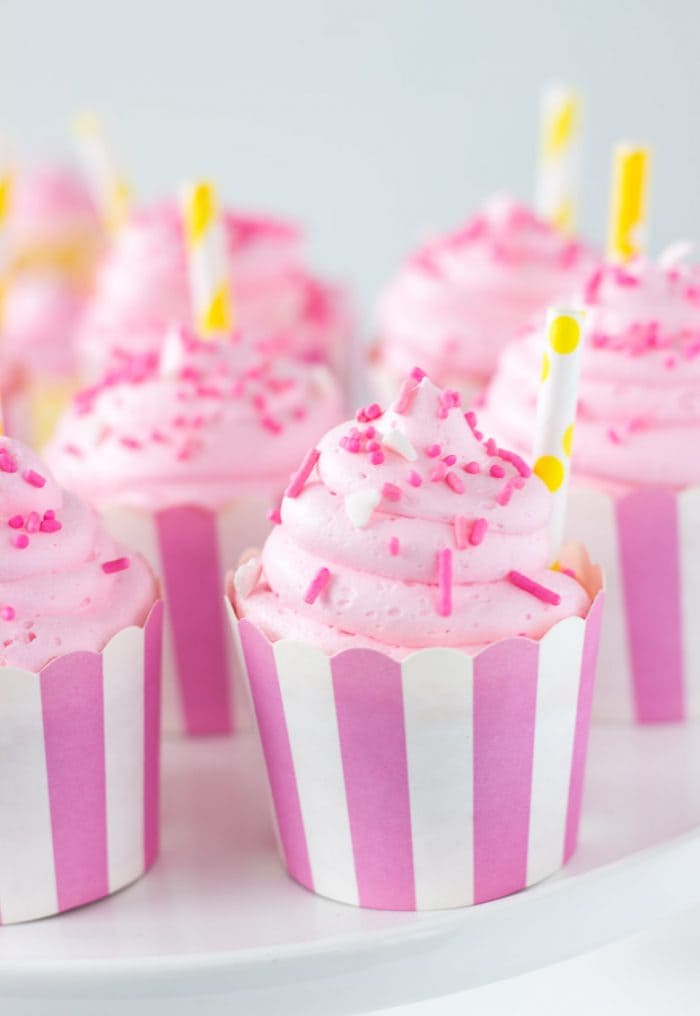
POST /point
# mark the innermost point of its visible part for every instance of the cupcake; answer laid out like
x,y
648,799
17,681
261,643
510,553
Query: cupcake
x,y
143,287
79,699
635,478
421,677
53,222
456,302
41,312
185,452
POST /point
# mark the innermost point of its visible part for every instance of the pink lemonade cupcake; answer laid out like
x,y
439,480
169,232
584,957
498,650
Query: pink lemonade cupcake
x,y
421,677
53,222
185,452
40,315
79,699
635,498
457,301
143,287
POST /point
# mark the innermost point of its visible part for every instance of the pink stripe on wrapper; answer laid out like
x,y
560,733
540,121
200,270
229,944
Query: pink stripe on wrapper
x,y
369,705
193,591
272,726
152,653
72,703
505,691
583,722
647,527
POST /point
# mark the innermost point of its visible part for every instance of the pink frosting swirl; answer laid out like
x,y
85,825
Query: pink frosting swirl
x,y
143,287
639,404
40,317
199,423
456,302
405,529
65,585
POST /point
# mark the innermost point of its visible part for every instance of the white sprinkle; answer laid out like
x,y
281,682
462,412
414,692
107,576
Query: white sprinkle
x,y
360,504
172,354
247,576
399,443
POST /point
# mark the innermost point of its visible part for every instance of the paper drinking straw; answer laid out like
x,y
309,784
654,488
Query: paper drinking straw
x,y
557,191
6,187
110,190
204,242
628,202
556,412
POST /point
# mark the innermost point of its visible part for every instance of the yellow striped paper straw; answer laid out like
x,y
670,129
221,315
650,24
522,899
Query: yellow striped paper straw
x,y
627,233
206,256
6,188
557,193
111,191
556,412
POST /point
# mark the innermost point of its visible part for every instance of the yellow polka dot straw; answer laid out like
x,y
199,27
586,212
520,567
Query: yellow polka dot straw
x,y
628,202
558,164
110,190
206,254
556,411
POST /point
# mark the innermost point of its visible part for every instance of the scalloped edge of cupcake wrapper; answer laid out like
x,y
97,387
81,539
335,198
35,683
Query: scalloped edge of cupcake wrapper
x,y
441,780
190,549
648,543
79,774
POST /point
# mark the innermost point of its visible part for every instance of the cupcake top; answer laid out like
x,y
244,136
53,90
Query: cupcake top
x,y
143,287
51,209
406,529
456,302
40,316
198,423
65,585
639,403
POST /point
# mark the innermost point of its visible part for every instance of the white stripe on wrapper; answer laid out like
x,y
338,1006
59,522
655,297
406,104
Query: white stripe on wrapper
x,y
591,520
306,686
688,538
123,669
27,877
438,684
558,679
137,529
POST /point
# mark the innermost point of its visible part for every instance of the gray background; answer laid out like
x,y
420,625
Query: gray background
x,y
371,122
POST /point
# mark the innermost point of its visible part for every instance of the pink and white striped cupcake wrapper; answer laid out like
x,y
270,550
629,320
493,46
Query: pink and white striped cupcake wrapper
x,y
79,774
191,549
442,780
648,543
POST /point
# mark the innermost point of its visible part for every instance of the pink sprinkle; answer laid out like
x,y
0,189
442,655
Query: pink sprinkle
x,y
275,516
497,471
491,447
32,477
72,449
515,460
534,588
473,468
296,484
438,474
590,293
470,417
20,541
318,584
32,523
376,458
461,526
414,478
391,492
273,426
504,495
478,532
130,442
373,411
445,582
454,482
450,460
568,571
50,526
117,565
432,451
373,446
16,522
7,463
394,546
417,374
407,394
370,432
614,437
7,613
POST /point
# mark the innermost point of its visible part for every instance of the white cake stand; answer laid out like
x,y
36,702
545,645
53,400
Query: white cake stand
x,y
217,926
